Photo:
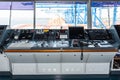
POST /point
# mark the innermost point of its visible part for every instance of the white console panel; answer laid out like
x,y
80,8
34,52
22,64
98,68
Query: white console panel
x,y
35,63
48,63
72,63
74,57
21,57
100,57
48,68
99,62
73,68
97,68
23,68
48,57
4,63
22,63
52,63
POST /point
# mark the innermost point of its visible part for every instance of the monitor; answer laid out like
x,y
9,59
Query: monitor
x,y
76,32
117,27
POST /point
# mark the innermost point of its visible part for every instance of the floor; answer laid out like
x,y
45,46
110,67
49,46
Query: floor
x,y
115,77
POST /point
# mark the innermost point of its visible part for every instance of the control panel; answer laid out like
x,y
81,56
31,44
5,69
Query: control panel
x,y
26,34
23,34
39,34
99,34
61,38
50,34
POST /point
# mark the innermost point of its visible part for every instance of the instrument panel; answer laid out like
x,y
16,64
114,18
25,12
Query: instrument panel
x,y
31,38
38,34
90,34
99,34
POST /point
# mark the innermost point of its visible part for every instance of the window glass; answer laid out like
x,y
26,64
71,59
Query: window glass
x,y
4,13
105,14
60,15
81,14
22,15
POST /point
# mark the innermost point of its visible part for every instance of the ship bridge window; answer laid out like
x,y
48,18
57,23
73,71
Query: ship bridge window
x,y
22,15
5,13
105,14
60,15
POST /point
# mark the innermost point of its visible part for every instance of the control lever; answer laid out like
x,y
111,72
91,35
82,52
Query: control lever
x,y
1,49
81,45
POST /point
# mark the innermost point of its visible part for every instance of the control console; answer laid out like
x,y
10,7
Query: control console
x,y
61,38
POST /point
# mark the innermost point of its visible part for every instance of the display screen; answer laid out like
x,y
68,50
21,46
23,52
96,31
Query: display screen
x,y
76,33
117,27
